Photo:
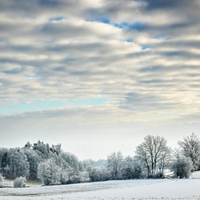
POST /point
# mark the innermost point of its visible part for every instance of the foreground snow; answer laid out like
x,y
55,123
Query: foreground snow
x,y
109,190
195,175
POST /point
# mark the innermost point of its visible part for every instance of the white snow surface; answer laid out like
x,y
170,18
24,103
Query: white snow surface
x,y
195,175
109,190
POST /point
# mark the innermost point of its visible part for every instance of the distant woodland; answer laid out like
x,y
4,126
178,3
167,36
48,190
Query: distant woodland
x,y
52,165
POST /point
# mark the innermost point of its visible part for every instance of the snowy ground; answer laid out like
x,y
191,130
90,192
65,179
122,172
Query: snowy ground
x,y
109,190
195,175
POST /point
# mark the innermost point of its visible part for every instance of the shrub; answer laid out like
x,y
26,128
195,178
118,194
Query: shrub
x,y
84,177
182,167
19,182
64,177
75,179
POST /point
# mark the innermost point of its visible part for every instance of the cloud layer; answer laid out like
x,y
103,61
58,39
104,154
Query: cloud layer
x,y
141,56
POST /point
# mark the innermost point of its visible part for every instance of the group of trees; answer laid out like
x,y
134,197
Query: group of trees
x,y
53,166
155,156
39,161
16,162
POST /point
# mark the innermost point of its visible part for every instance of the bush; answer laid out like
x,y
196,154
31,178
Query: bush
x,y
1,181
182,167
65,176
19,182
84,177
75,179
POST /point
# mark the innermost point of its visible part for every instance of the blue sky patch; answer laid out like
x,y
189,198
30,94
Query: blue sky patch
x,y
129,40
22,107
138,26
122,25
103,20
25,107
145,47
89,101
32,76
59,18
135,26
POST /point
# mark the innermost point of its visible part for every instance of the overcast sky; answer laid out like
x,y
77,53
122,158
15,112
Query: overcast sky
x,y
98,76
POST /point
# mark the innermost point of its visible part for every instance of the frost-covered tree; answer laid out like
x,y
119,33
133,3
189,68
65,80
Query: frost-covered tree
x,y
131,168
42,149
25,161
114,162
182,167
71,160
176,153
4,161
190,147
28,145
56,149
154,154
127,168
84,164
84,177
33,160
17,164
65,175
75,179
49,173
94,174
105,175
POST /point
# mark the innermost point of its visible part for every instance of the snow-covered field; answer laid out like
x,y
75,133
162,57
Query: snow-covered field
x,y
109,190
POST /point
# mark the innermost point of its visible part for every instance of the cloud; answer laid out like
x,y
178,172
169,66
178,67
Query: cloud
x,y
141,55
170,4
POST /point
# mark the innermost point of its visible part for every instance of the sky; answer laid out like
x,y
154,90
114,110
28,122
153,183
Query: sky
x,y
98,76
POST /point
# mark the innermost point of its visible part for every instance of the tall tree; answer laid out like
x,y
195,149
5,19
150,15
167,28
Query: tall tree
x,y
33,160
71,160
49,173
17,163
190,147
114,162
4,161
153,153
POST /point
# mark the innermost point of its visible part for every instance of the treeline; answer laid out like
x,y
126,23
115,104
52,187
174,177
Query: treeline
x,y
53,166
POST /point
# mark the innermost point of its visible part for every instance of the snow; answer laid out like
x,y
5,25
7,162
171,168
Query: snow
x,y
109,190
195,175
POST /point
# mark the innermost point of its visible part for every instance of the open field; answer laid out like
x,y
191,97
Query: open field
x,y
109,190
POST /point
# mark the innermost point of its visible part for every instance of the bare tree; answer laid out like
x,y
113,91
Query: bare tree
x,y
190,147
176,153
154,154
114,164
